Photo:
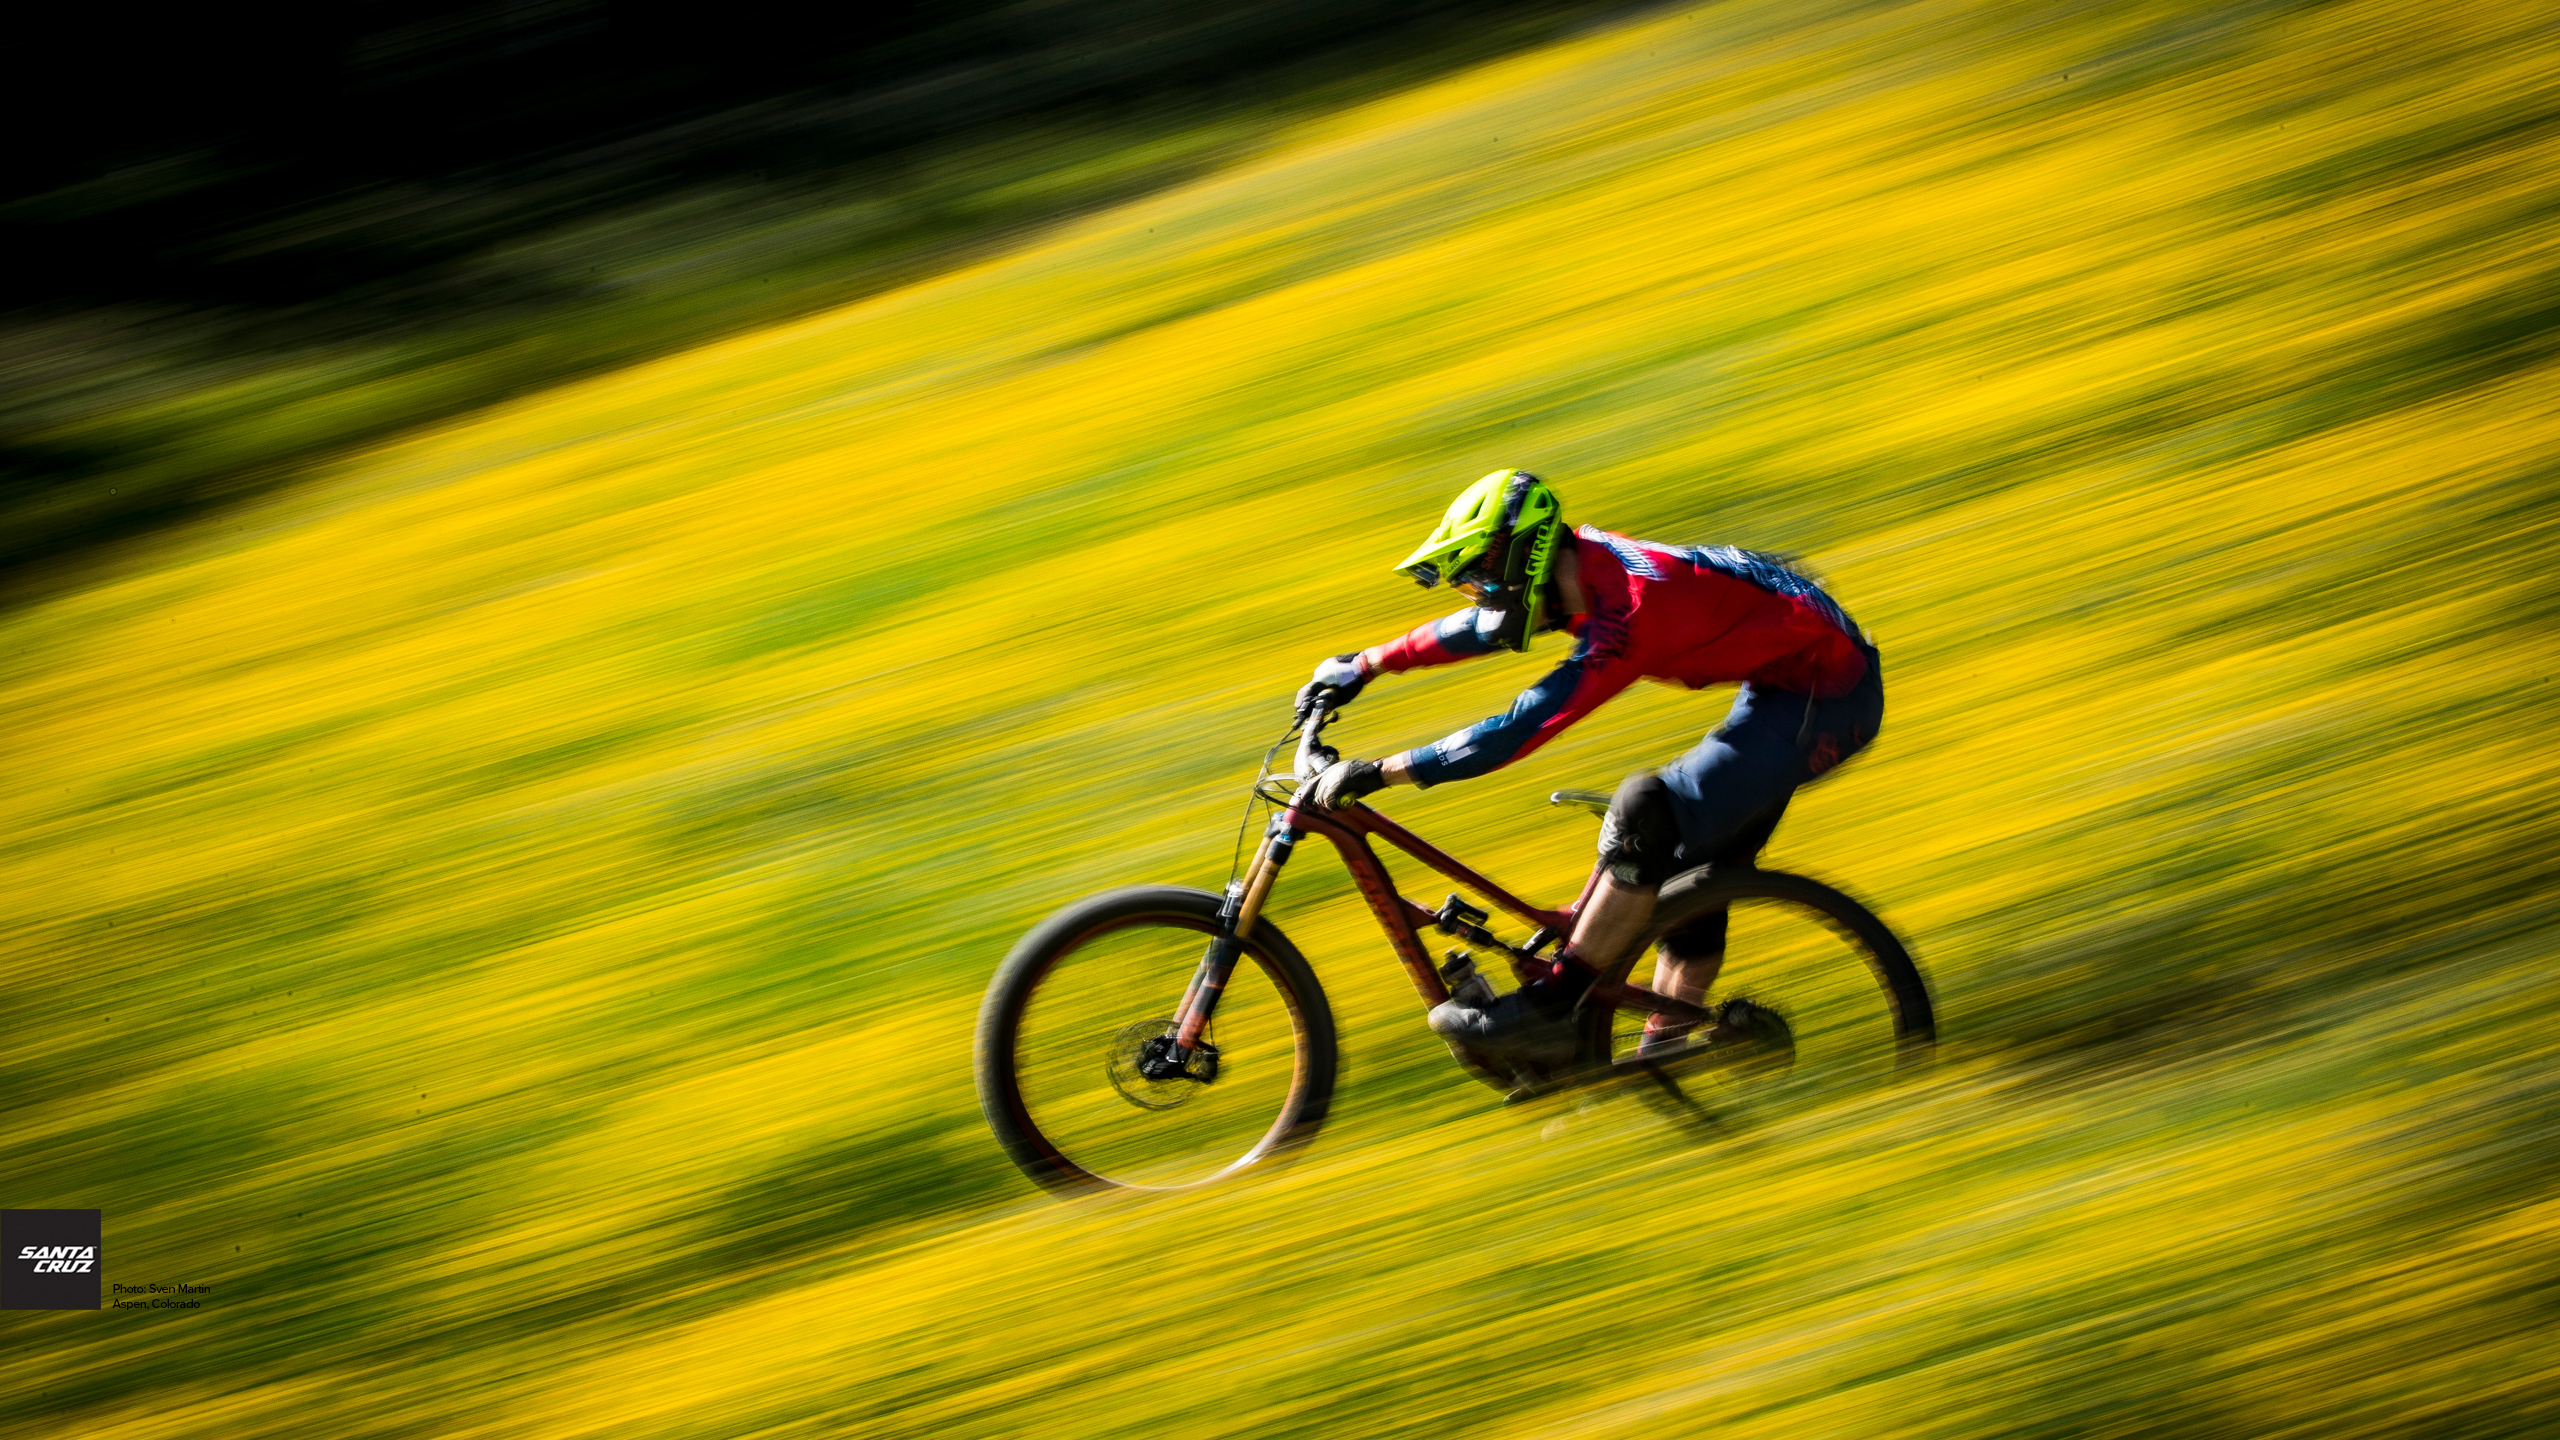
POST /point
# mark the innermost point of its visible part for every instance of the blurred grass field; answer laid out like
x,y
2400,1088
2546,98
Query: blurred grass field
x,y
636,783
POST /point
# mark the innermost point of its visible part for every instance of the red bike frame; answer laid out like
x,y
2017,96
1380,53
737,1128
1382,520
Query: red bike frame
x,y
1350,830
1403,919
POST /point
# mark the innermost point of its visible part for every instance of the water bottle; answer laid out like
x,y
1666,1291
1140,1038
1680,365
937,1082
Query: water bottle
x,y
1467,985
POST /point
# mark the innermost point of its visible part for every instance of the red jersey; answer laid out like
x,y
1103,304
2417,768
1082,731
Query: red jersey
x,y
1684,614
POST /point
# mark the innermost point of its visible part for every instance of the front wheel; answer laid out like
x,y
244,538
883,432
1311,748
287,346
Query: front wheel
x,y
1071,1014
1827,995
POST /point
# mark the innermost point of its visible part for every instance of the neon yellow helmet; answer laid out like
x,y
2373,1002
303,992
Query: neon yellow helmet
x,y
1500,533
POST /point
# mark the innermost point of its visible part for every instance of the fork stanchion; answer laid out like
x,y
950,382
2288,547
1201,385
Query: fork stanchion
x,y
1208,953
1218,963
1277,846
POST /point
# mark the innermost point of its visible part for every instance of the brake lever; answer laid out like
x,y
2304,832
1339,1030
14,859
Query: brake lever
x,y
1314,756
1319,705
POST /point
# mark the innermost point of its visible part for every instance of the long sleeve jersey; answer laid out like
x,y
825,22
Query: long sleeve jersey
x,y
1682,614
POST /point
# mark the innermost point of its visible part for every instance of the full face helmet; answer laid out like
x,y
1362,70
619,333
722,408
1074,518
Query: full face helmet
x,y
1500,533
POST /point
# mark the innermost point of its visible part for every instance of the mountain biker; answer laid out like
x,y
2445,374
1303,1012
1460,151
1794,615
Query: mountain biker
x,y
1812,696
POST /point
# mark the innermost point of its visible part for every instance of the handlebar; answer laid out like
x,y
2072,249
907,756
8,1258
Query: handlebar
x,y
1314,756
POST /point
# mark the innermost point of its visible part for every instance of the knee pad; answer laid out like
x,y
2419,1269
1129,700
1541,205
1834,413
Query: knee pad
x,y
1639,837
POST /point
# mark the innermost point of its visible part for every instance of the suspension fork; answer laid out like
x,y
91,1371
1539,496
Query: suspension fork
x,y
1235,926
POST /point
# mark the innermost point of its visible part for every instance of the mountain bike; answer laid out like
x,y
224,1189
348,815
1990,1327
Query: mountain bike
x,y
1159,1037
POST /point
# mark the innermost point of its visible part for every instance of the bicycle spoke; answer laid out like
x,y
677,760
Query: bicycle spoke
x,y
1086,1032
1835,1024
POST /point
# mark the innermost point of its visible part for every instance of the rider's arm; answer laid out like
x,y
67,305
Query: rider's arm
x,y
1454,637
1569,692
1444,641
1434,642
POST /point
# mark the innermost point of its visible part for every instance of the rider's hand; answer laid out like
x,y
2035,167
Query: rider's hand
x,y
1343,675
1345,782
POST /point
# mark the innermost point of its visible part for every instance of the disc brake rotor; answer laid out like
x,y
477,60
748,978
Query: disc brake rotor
x,y
1147,1040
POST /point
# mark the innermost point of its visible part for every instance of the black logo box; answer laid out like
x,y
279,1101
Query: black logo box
x,y
49,1259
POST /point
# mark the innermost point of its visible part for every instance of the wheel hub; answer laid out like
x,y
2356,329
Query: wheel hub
x,y
1148,1073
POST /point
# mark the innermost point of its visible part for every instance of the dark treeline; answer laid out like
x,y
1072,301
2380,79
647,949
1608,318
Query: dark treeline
x,y
199,191
168,164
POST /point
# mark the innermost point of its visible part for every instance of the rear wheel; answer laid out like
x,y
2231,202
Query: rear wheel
x,y
1815,989
1074,1009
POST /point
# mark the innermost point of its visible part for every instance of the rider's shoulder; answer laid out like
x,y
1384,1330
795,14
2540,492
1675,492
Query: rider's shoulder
x,y
1640,559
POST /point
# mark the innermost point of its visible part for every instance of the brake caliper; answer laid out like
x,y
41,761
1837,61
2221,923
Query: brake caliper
x,y
1158,1060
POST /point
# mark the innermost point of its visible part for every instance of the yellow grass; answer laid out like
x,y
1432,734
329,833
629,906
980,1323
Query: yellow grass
x,y
508,913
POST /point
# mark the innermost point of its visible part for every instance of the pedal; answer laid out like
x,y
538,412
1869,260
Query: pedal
x,y
1455,915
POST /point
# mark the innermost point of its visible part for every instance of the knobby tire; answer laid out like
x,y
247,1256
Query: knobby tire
x,y
1688,896
1092,925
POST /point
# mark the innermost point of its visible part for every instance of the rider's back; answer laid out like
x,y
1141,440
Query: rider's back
x,y
1699,615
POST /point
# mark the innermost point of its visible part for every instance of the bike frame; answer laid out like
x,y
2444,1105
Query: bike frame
x,y
1351,830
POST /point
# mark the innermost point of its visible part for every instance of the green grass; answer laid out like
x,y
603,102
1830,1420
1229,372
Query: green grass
x,y
508,911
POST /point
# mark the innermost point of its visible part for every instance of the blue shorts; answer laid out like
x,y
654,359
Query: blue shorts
x,y
1728,792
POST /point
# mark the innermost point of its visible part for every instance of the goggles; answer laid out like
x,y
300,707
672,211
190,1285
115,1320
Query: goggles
x,y
1478,571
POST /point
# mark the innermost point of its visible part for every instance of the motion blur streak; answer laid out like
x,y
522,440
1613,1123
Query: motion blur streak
x,y
508,912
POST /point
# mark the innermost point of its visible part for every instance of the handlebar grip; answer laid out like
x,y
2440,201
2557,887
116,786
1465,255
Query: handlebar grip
x,y
1318,706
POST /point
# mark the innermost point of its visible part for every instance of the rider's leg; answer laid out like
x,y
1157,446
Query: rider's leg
x,y
1686,962
1639,849
1638,845
1615,919
1728,793
1655,823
